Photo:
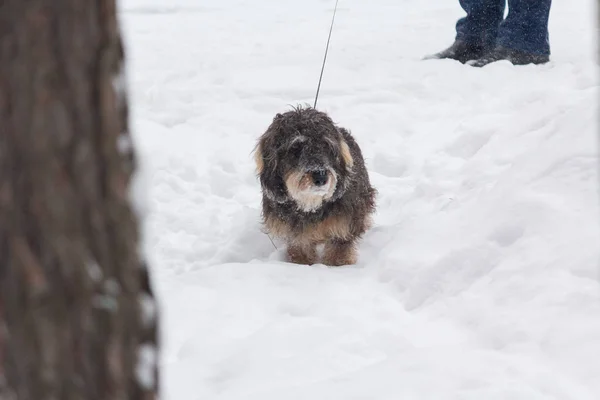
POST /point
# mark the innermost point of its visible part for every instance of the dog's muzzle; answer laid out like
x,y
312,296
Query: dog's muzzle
x,y
310,188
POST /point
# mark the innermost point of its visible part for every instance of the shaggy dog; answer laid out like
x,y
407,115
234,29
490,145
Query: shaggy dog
x,y
315,187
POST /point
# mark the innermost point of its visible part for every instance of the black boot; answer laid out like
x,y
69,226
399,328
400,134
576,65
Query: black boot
x,y
516,57
460,51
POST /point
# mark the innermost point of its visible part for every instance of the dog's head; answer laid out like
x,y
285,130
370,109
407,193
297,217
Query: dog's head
x,y
303,157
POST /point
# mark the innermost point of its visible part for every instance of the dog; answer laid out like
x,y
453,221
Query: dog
x,y
315,187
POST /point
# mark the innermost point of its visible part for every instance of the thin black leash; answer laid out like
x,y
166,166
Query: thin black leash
x,y
326,51
272,242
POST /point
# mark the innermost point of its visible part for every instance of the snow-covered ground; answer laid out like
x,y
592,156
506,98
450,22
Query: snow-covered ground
x,y
480,277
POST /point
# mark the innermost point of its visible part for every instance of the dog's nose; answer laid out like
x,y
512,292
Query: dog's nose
x,y
319,177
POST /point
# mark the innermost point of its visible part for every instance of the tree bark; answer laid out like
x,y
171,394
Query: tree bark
x,y
77,313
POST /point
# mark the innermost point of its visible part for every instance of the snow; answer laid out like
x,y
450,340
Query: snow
x,y
94,270
124,143
146,365
119,83
148,309
480,277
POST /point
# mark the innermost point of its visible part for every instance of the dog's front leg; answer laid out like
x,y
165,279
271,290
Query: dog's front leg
x,y
302,253
339,252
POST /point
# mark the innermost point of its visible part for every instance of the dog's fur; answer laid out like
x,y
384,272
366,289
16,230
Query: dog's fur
x,y
299,210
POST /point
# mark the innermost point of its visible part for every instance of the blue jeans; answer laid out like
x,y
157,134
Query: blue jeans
x,y
524,29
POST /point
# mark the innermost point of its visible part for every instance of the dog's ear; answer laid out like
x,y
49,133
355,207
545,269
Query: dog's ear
x,y
271,179
345,148
267,166
346,154
264,147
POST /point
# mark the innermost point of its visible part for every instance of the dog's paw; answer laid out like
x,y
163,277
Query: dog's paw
x,y
306,255
339,253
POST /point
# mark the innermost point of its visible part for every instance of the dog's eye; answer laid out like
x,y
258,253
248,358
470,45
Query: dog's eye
x,y
332,146
295,149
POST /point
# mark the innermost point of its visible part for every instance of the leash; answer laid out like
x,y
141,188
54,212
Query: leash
x,y
326,51
272,242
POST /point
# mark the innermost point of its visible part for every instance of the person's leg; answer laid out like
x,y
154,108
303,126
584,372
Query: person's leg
x,y
526,27
475,33
480,26
523,36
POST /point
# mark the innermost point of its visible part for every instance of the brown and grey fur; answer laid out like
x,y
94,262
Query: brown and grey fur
x,y
293,156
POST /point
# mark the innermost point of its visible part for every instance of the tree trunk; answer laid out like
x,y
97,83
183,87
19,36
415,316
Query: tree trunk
x,y
77,314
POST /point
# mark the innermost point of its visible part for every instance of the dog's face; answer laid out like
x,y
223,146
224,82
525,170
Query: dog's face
x,y
303,157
